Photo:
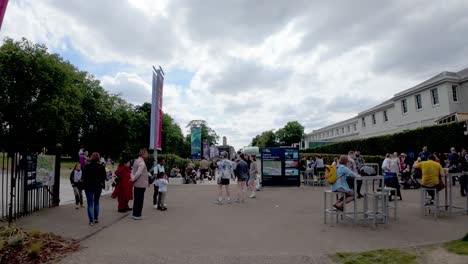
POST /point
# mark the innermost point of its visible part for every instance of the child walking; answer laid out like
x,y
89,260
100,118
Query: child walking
x,y
77,184
161,183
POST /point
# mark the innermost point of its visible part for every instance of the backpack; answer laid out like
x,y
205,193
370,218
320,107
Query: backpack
x,y
330,174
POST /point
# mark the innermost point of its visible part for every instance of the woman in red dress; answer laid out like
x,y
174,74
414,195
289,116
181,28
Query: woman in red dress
x,y
123,188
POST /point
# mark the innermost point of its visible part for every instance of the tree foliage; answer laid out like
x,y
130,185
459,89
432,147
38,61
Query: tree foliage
x,y
291,133
45,100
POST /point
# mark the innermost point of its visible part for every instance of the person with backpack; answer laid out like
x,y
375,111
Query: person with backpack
x,y
226,173
340,184
242,173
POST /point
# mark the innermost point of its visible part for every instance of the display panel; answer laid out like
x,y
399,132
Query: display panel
x,y
280,166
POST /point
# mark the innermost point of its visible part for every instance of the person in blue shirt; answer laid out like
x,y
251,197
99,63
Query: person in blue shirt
x,y
342,172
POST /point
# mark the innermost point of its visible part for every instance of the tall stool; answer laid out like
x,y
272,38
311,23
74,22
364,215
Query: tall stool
x,y
332,211
321,179
427,207
380,207
393,206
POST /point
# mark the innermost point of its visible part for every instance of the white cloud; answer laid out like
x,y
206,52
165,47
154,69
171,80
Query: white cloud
x,y
256,65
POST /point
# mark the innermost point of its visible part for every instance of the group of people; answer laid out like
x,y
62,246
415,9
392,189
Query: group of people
x,y
430,168
131,181
90,175
244,170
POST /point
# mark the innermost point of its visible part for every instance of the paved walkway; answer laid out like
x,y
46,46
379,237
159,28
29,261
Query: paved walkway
x,y
283,225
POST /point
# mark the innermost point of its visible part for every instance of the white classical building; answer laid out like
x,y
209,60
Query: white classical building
x,y
441,99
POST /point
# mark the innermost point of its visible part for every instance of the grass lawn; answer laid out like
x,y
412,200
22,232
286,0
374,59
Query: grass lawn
x,y
384,256
459,246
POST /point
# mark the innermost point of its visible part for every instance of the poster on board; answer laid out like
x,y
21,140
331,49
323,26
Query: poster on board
x,y
280,166
45,169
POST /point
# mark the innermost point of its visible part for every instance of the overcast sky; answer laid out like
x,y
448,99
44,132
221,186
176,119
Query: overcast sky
x,y
248,66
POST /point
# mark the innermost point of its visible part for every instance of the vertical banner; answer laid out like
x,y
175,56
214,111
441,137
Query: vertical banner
x,y
3,6
206,150
196,143
156,111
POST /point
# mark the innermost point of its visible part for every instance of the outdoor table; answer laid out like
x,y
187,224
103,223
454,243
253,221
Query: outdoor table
x,y
448,203
365,180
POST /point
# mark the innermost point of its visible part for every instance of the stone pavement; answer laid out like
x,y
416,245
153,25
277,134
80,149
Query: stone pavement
x,y
283,225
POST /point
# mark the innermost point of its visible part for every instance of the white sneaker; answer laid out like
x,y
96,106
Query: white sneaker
x,y
137,217
252,195
229,201
218,202
77,207
155,206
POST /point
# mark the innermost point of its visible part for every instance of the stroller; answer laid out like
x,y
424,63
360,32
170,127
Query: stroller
x,y
367,171
408,182
190,176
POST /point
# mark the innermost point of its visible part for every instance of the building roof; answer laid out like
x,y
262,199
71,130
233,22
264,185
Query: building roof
x,y
349,121
459,76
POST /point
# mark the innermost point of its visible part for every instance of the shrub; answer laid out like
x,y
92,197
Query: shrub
x,y
328,158
34,250
438,138
35,233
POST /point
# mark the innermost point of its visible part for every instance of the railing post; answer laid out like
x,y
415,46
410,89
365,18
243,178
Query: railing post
x,y
56,189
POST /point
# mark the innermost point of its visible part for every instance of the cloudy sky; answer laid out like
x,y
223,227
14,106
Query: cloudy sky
x,y
250,66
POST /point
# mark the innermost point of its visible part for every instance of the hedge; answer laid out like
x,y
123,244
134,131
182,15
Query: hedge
x,y
438,138
328,158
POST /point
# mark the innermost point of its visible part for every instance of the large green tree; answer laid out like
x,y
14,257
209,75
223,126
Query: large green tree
x,y
45,100
40,96
291,133
265,139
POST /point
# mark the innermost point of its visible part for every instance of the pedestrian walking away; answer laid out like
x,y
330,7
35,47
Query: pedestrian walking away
x,y
94,178
241,172
226,173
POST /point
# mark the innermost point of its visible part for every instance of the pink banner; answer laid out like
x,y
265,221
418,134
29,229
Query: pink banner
x,y
160,112
3,6
156,111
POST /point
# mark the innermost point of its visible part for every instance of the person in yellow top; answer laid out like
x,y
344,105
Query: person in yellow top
x,y
431,173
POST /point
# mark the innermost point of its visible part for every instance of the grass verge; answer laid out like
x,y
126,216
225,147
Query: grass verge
x,y
384,256
459,246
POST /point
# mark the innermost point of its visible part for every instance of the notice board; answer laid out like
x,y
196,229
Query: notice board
x,y
280,166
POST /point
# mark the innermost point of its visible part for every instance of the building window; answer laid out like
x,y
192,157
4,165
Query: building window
x,y
354,127
404,106
342,130
332,133
363,122
337,132
418,102
385,117
435,96
348,129
455,93
373,119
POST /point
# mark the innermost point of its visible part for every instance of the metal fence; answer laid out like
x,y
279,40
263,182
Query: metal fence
x,y
29,180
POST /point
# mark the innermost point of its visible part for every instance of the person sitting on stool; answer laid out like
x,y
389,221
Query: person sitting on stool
x,y
431,173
